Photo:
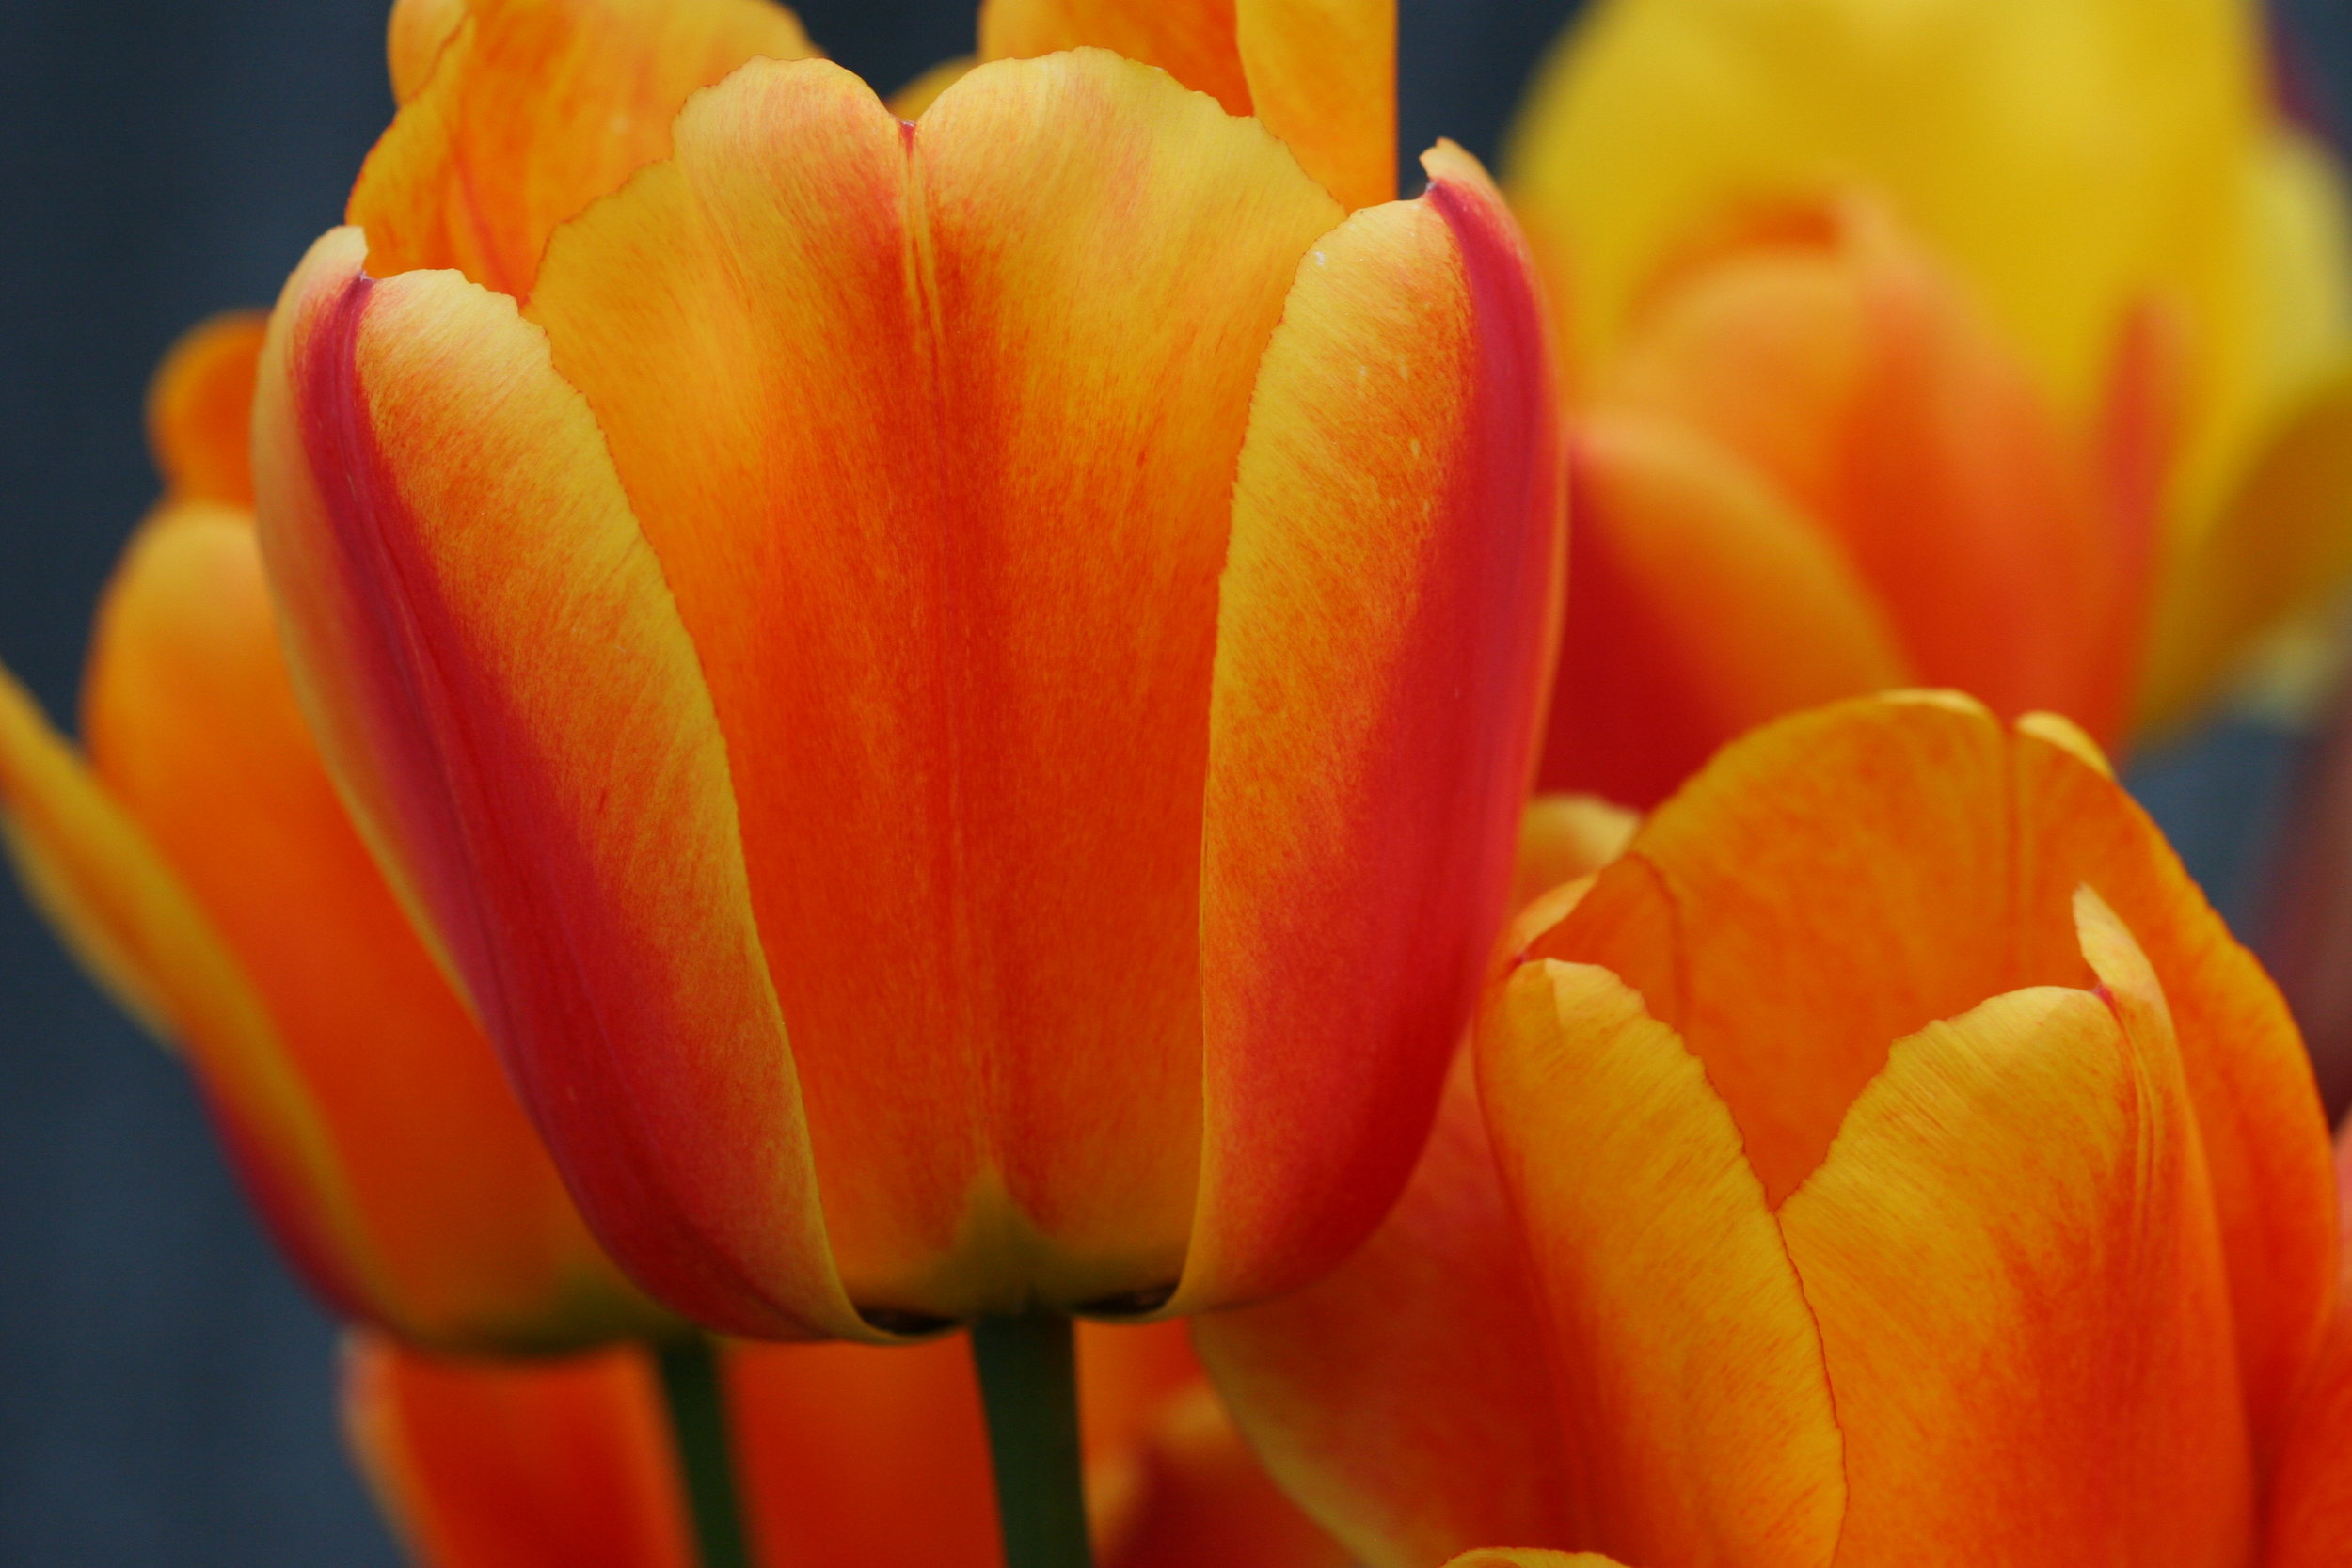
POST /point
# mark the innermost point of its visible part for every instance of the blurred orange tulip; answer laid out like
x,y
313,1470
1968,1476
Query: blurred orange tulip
x,y
2000,344
1890,1157
926,675
201,865
850,1456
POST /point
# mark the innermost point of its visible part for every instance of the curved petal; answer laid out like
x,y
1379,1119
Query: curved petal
x,y
119,907
1702,1427
1321,74
517,1465
530,111
192,724
1840,913
935,434
2012,1258
496,670
2258,1110
1403,1399
200,410
1702,604
1521,1557
1387,617
413,40
1838,358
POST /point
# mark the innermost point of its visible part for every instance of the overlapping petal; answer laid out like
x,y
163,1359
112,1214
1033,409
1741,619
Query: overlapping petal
x,y
1321,74
517,113
485,647
1390,595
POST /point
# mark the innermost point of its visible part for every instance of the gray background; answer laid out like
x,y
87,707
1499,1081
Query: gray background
x,y
165,1388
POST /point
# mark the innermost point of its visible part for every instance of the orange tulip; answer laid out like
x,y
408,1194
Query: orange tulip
x,y
929,677
850,1456
1890,1158
201,865
1812,471
2064,423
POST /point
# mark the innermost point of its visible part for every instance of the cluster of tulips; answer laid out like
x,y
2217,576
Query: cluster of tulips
x,y
834,794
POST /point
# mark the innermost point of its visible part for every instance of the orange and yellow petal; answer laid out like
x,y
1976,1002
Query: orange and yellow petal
x,y
1834,353
495,668
1386,619
1404,1400
199,408
2013,1262
1320,74
193,726
945,518
119,906
2257,1107
517,1465
1840,915
2308,1512
530,111
1701,603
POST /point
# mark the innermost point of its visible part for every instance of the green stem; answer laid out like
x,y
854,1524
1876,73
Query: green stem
x,y
705,1458
1029,1384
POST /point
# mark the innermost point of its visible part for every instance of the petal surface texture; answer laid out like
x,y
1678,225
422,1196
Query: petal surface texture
x,y
493,664
517,113
2011,1256
192,725
1389,597
945,518
1321,74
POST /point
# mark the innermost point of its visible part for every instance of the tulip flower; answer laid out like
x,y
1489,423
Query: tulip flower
x,y
853,1457
1890,1157
199,862
1999,345
926,678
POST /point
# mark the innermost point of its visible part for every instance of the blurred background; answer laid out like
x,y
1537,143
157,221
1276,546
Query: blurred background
x,y
166,1390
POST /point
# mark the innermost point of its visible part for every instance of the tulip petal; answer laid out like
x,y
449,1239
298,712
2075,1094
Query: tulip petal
x,y
1321,74
944,504
1702,604
414,38
532,111
123,911
1386,619
1701,1425
1402,1398
2310,1504
193,726
199,408
517,1465
1841,361
2258,1111
496,670
2064,1392
859,1457
2280,546
1813,873
1489,1558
